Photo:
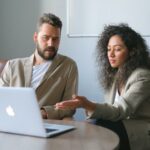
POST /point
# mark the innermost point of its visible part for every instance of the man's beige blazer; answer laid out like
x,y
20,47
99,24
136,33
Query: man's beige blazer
x,y
59,83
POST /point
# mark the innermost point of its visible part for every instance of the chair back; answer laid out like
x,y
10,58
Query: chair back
x,y
2,65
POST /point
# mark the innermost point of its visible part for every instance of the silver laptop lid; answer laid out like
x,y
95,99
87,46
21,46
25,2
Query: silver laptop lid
x,y
19,112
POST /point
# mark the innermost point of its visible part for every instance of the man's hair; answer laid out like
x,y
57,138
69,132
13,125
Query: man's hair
x,y
51,19
138,55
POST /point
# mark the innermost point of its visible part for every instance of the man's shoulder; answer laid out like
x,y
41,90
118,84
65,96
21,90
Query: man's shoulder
x,y
65,59
15,61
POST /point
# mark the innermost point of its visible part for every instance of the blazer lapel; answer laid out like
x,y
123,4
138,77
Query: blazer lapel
x,y
57,60
112,93
28,70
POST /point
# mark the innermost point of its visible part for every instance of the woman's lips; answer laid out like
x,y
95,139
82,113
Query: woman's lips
x,y
112,61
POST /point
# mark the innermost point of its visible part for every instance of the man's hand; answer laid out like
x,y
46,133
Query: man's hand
x,y
44,113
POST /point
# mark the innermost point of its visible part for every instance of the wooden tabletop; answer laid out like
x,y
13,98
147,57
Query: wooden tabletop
x,y
86,136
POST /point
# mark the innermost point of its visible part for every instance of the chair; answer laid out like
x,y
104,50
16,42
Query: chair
x,y
2,65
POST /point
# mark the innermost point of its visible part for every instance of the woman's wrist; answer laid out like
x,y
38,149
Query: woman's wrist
x,y
90,106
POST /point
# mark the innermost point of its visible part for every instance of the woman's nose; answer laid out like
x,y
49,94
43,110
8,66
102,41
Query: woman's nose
x,y
111,53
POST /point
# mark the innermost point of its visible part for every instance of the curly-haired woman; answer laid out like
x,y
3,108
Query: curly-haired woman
x,y
124,63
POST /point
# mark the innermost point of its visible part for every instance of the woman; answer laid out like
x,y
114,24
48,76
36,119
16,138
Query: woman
x,y
125,75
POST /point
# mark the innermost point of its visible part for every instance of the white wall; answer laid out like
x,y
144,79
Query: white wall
x,y
18,21
106,12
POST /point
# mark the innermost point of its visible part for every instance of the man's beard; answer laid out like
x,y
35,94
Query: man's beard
x,y
50,49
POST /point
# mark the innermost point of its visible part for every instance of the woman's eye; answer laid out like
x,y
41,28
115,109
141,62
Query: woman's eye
x,y
118,49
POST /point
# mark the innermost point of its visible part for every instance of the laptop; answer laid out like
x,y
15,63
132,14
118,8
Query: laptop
x,y
20,114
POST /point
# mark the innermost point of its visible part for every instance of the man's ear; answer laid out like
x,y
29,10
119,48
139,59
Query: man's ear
x,y
35,36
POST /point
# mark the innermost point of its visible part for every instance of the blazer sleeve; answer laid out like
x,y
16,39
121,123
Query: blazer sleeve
x,y
136,94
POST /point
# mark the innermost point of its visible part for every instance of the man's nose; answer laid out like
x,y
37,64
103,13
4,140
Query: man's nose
x,y
50,42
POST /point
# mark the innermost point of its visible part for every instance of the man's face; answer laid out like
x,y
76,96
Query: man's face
x,y
47,41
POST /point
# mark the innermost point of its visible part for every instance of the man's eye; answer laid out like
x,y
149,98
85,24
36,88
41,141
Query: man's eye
x,y
45,38
55,39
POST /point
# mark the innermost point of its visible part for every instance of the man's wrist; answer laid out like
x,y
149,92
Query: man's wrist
x,y
44,113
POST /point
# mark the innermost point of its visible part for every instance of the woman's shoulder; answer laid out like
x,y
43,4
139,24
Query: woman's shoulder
x,y
140,73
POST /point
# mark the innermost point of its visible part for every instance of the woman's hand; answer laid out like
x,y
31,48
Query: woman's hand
x,y
76,102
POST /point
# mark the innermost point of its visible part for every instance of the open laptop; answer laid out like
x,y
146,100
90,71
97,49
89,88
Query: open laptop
x,y
20,114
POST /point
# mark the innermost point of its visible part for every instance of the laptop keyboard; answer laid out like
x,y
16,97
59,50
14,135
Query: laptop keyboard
x,y
50,130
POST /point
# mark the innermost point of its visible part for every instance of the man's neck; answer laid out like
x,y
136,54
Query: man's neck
x,y
38,59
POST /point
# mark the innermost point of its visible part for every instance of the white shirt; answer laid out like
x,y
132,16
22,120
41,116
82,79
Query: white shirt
x,y
117,96
38,73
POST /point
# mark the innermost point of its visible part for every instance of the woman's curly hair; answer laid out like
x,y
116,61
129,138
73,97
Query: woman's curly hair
x,y
138,56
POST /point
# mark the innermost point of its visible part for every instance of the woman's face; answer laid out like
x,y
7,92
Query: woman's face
x,y
117,51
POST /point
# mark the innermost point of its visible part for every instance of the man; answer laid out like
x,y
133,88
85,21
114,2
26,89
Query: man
x,y
53,76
